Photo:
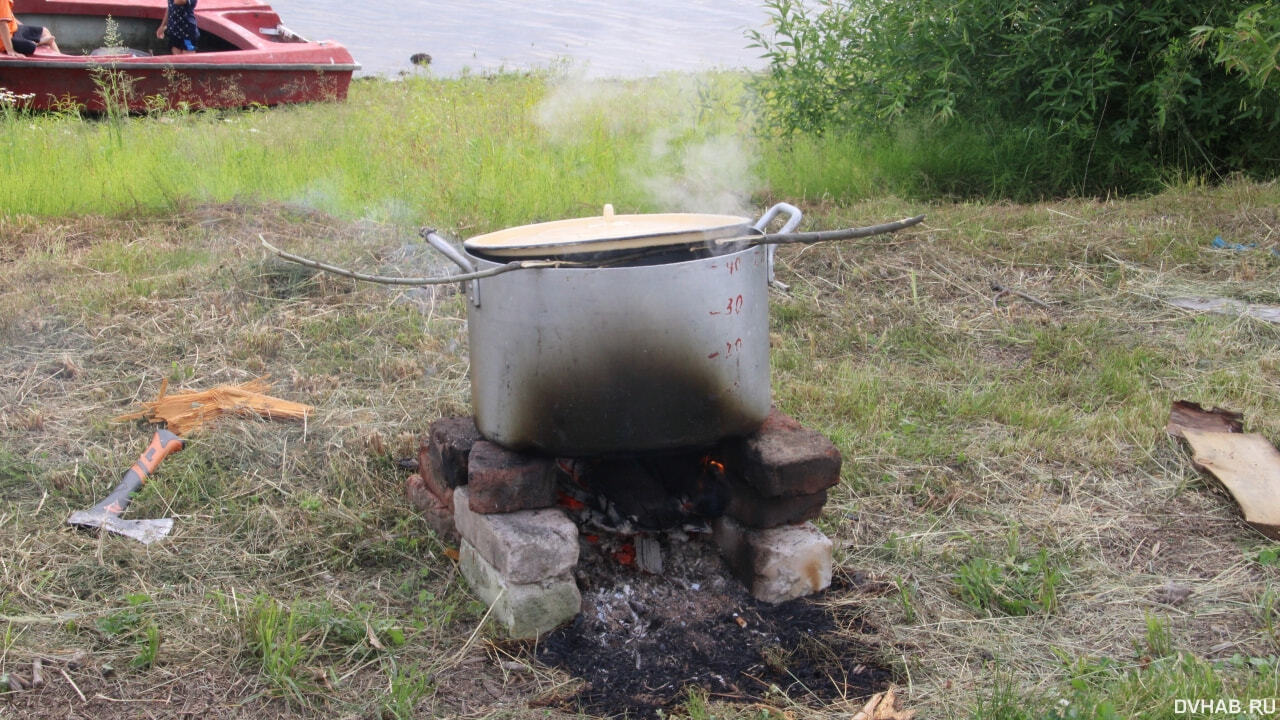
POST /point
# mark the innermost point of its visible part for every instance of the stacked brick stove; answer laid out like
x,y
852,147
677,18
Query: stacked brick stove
x,y
519,546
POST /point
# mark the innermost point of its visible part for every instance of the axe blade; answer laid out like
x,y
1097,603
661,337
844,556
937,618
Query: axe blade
x,y
106,514
144,531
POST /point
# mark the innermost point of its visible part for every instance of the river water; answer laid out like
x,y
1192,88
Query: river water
x,y
600,38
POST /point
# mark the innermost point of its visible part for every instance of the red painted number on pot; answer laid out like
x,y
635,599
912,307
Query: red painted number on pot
x,y
730,349
732,307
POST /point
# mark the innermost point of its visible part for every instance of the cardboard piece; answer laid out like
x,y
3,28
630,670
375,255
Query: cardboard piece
x,y
1227,306
1249,467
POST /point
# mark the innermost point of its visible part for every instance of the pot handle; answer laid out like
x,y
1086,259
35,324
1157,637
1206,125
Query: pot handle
x,y
794,216
449,251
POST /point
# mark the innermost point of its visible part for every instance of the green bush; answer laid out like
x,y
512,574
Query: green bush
x,y
1130,92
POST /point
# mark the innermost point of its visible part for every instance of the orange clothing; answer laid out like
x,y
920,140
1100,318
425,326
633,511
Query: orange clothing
x,y
6,16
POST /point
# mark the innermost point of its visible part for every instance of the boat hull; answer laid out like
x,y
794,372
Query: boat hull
x,y
247,58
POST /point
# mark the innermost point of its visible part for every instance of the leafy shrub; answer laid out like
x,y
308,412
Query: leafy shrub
x,y
1126,89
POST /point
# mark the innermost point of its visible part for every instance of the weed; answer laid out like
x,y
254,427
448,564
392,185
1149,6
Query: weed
x,y
1158,641
407,687
148,647
114,86
696,706
1013,584
125,620
905,594
1267,611
1149,689
1003,701
276,641
13,105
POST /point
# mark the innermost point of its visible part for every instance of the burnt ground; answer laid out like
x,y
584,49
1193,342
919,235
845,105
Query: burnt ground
x,y
643,641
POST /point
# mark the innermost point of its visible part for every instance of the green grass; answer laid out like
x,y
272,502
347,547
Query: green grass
x,y
474,153
479,154
1006,479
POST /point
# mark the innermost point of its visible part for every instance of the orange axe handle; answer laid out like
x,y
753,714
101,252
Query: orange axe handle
x,y
163,444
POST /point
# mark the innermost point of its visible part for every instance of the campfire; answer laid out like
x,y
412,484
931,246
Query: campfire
x,y
522,520
646,574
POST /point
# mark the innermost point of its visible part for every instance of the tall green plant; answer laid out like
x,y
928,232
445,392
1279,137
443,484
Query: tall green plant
x,y
113,85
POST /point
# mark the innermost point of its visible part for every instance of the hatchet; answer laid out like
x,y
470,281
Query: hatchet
x,y
106,514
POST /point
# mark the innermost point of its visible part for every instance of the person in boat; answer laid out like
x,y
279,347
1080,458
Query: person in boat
x,y
19,39
179,26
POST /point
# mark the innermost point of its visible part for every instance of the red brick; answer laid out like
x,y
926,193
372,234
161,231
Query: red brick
x,y
778,420
753,510
438,515
437,485
500,481
783,459
444,451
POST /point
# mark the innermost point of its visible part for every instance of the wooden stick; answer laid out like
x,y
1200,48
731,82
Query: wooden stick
x,y
75,687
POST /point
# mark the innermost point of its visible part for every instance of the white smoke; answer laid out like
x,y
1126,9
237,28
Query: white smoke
x,y
688,167
711,175
575,101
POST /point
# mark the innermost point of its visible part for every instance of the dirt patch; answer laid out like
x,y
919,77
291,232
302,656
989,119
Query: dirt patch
x,y
642,640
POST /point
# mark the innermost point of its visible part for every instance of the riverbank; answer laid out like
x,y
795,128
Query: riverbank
x,y
1011,515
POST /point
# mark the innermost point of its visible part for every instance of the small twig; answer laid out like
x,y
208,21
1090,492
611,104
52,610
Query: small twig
x,y
100,696
1001,291
41,619
75,687
825,235
1059,212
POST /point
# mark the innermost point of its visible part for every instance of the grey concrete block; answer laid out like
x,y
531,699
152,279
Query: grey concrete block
x,y
524,610
524,546
777,564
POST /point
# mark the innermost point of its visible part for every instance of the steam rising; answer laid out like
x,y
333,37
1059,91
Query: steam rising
x,y
690,167
712,175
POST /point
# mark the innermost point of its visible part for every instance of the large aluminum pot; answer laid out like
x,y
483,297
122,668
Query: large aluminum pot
x,y
584,361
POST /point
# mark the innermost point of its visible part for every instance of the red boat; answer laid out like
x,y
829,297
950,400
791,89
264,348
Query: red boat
x,y
245,56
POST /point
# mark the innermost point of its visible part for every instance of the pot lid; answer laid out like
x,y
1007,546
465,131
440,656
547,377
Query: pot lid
x,y
607,233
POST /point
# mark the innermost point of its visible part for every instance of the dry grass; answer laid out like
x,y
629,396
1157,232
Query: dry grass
x,y
973,430
970,431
